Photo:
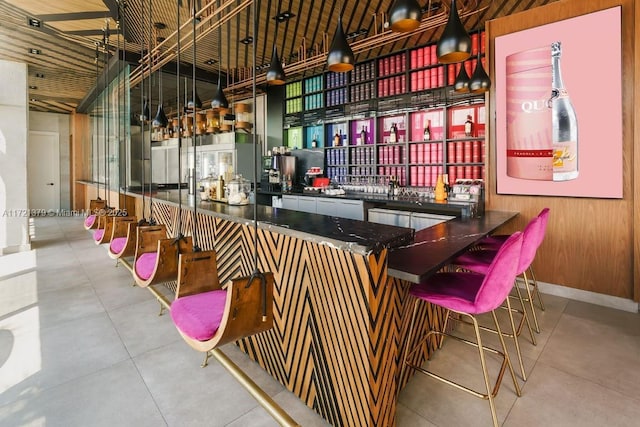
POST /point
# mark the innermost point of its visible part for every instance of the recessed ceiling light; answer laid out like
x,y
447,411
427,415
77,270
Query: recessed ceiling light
x,y
33,87
434,6
160,39
34,100
34,22
247,40
284,16
40,75
210,61
35,51
160,25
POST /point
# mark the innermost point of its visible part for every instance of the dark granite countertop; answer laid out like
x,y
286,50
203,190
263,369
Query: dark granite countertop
x,y
341,233
436,246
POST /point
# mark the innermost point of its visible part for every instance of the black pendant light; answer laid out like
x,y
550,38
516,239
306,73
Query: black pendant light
x,y
275,73
160,120
194,102
462,80
340,58
219,100
405,15
454,44
197,103
479,81
145,111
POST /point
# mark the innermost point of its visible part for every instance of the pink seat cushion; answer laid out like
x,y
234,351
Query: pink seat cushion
x,y
146,264
117,245
198,316
476,261
456,291
474,293
90,220
98,234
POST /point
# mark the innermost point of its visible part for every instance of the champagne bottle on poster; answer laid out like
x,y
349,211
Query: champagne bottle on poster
x,y
564,124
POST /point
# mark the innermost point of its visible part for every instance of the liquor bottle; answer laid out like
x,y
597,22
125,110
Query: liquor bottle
x,y
314,142
564,125
393,184
337,138
427,131
363,136
393,134
447,188
468,126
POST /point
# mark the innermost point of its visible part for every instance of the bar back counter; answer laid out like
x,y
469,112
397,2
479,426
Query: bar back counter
x,y
340,297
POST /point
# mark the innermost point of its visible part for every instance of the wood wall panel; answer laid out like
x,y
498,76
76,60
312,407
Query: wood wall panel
x,y
79,158
636,155
591,244
339,319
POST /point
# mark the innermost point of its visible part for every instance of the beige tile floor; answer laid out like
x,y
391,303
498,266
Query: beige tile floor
x,y
79,346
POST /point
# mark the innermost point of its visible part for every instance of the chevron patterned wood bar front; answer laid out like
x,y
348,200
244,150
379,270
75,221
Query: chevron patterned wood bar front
x,y
338,316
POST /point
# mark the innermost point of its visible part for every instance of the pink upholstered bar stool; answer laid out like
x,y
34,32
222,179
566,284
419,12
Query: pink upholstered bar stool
x,y
470,294
479,261
494,242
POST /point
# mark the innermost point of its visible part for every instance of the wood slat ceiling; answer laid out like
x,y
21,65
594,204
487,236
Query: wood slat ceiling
x,y
65,70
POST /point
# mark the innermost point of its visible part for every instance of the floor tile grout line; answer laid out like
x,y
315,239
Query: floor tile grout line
x,y
591,381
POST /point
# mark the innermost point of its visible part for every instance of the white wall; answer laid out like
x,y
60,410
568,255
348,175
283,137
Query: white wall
x,y
14,114
58,123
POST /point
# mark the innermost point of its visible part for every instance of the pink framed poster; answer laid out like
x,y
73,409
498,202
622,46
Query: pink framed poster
x,y
559,108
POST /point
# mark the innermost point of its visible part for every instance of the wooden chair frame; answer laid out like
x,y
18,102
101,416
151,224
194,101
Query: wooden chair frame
x,y
124,226
95,206
153,238
247,308
104,222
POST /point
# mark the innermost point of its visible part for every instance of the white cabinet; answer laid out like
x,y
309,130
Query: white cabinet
x,y
343,208
326,207
290,202
415,220
307,204
390,217
352,209
421,220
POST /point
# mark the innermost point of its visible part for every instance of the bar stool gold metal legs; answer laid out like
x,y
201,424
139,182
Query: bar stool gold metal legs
x,y
491,391
468,295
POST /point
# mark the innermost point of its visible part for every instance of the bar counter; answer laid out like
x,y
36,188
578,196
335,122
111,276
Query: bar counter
x,y
342,233
340,299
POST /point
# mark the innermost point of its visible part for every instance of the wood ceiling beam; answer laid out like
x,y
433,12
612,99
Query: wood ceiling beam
x,y
75,16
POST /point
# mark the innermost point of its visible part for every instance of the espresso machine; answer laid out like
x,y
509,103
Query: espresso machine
x,y
279,170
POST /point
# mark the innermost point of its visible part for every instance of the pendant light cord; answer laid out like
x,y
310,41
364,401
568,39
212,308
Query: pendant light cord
x,y
152,219
106,114
256,272
118,129
255,147
194,231
143,220
95,126
178,233
122,69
